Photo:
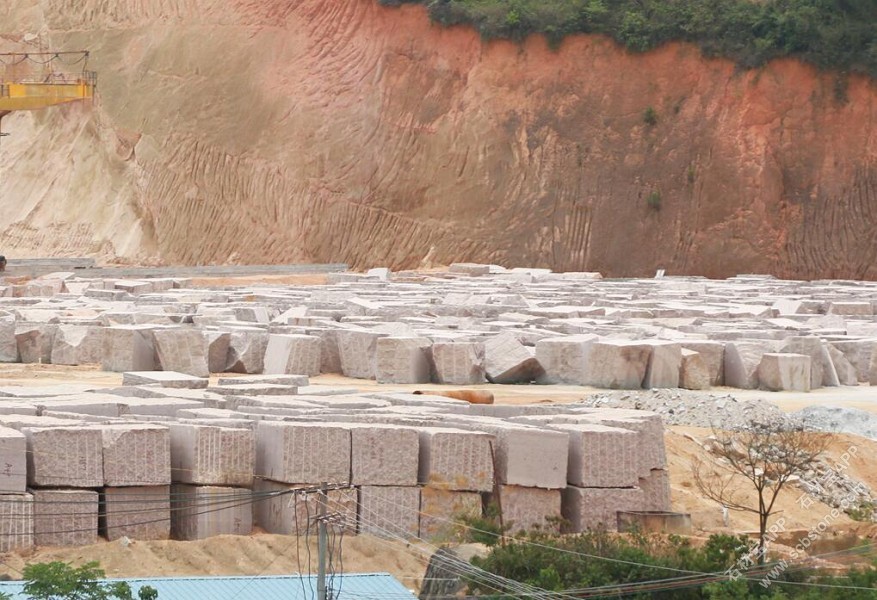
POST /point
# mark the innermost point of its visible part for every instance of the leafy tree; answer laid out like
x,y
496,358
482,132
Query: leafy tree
x,y
61,581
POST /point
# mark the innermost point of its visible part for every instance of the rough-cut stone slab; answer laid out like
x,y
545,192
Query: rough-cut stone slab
x,y
527,508
295,452
618,364
78,345
138,513
741,363
459,363
664,363
288,514
565,359
128,348
35,342
211,455
713,354
383,455
16,522
442,510
136,455
293,354
821,370
64,457
693,371
656,490
471,269
587,509
357,350
182,350
402,360
846,372
204,511
8,343
601,456
389,511
13,461
506,360
246,351
217,350
168,379
65,517
456,459
290,381
778,372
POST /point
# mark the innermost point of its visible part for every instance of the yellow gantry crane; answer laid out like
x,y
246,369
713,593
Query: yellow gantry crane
x,y
35,80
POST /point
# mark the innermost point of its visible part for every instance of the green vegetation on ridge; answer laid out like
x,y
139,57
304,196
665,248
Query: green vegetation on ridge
x,y
830,34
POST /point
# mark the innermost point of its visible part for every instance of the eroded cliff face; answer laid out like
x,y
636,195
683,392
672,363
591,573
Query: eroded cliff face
x,y
280,130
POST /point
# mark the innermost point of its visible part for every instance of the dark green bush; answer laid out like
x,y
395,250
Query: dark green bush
x,y
831,34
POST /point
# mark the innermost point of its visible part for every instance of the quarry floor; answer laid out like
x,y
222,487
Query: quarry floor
x,y
273,554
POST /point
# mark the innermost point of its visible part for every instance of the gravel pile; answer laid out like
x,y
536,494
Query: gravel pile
x,y
839,420
697,409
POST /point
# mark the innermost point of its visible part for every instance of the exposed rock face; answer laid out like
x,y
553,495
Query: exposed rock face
x,y
277,131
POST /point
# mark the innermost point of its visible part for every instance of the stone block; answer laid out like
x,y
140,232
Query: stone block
x,y
693,371
138,513
665,361
383,455
713,354
246,351
330,355
8,343
529,509
618,364
136,455
656,490
471,269
780,372
211,455
459,363
64,456
293,354
128,348
295,452
16,522
851,308
65,517
288,514
183,351
846,372
821,369
456,459
403,360
590,509
506,360
389,512
205,511
565,359
78,345
166,379
741,363
601,456
35,342
13,461
217,350
442,510
357,350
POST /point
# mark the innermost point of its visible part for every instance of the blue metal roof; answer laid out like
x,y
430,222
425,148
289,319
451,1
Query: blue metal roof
x,y
367,586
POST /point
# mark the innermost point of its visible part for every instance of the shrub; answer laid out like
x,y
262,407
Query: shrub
x,y
650,117
654,200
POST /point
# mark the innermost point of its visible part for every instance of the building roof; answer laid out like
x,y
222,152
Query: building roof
x,y
360,586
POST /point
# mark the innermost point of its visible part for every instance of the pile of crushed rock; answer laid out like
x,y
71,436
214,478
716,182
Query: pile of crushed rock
x,y
696,409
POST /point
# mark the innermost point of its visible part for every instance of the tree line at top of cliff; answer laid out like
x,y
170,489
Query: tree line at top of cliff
x,y
830,34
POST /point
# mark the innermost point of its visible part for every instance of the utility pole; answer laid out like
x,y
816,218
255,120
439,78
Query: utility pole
x,y
322,543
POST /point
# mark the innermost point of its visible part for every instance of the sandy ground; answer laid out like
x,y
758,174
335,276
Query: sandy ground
x,y
268,554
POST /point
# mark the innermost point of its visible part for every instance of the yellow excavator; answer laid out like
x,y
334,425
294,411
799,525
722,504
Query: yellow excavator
x,y
36,80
